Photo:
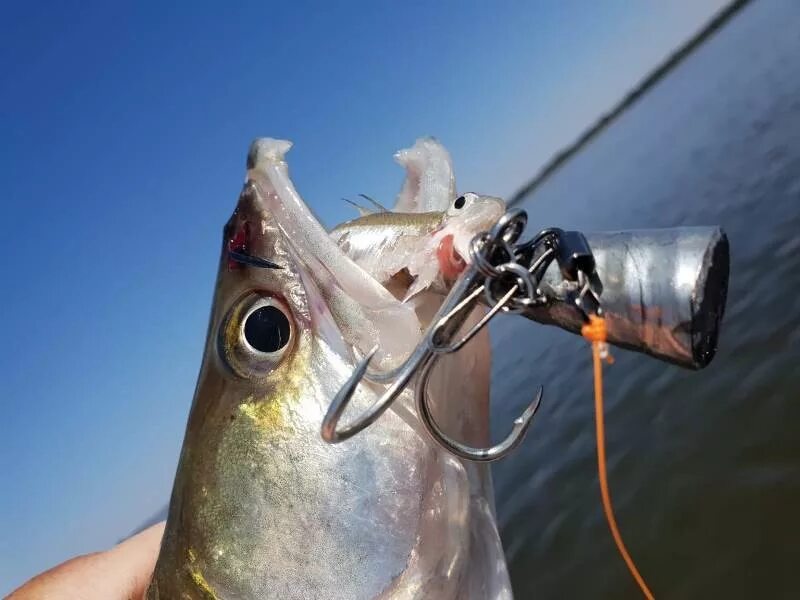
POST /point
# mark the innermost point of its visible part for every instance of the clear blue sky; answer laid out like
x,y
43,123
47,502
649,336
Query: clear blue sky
x,y
123,133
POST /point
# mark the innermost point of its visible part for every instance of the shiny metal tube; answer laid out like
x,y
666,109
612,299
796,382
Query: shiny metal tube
x,y
663,292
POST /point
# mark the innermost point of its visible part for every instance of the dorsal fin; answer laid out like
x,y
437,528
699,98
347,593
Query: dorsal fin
x,y
362,212
375,203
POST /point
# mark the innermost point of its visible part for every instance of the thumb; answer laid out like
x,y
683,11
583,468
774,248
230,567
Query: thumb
x,y
121,573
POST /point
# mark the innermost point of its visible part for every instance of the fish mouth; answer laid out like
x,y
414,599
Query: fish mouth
x,y
451,263
366,312
258,492
262,506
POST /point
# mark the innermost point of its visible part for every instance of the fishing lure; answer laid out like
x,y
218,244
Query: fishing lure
x,y
511,277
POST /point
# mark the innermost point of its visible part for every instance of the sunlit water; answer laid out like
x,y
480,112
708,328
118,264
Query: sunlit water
x,y
704,466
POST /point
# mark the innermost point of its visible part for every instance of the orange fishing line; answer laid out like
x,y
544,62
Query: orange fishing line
x,y
595,332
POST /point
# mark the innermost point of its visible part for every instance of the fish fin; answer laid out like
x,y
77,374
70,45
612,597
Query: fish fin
x,y
362,212
378,205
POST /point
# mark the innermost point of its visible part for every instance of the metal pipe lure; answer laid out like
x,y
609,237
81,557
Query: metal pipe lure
x,y
663,293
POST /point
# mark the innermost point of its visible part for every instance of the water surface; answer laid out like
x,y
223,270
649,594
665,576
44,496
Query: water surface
x,y
704,466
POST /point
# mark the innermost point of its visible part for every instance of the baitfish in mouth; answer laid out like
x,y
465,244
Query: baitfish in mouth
x,y
428,233
261,506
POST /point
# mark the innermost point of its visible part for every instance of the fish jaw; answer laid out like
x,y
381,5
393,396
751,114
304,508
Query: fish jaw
x,y
261,506
430,183
368,314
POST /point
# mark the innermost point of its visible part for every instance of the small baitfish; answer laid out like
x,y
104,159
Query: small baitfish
x,y
261,506
426,244
428,232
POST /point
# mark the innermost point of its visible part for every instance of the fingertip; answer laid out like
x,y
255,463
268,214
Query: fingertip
x,y
143,539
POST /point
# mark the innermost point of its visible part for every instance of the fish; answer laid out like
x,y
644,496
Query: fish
x,y
427,234
433,247
261,506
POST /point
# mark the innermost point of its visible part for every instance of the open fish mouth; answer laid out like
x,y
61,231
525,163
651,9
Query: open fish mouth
x,y
261,506
451,263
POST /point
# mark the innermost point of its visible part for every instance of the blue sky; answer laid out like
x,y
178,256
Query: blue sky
x,y
123,133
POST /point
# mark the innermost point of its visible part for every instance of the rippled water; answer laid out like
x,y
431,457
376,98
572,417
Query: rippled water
x,y
704,466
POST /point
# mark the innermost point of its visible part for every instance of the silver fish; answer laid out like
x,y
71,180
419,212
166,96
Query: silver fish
x,y
262,507
429,246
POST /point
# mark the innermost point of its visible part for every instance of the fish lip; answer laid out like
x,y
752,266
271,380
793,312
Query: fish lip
x,y
451,263
265,150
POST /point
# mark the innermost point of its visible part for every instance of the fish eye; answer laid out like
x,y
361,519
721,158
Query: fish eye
x,y
266,329
256,334
462,204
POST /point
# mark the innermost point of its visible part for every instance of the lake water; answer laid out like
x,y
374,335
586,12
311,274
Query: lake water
x,y
704,466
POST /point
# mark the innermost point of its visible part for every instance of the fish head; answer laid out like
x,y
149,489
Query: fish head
x,y
443,254
258,313
261,505
467,216
471,214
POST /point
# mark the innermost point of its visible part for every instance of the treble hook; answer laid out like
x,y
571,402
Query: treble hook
x,y
496,452
437,341
521,423
402,375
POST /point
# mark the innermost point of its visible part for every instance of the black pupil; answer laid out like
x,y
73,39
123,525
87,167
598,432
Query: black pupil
x,y
267,329
460,201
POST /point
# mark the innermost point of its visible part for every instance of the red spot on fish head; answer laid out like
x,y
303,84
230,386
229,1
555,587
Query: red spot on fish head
x,y
450,262
238,243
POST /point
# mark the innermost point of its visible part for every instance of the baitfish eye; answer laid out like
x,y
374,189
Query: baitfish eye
x,y
462,204
256,334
